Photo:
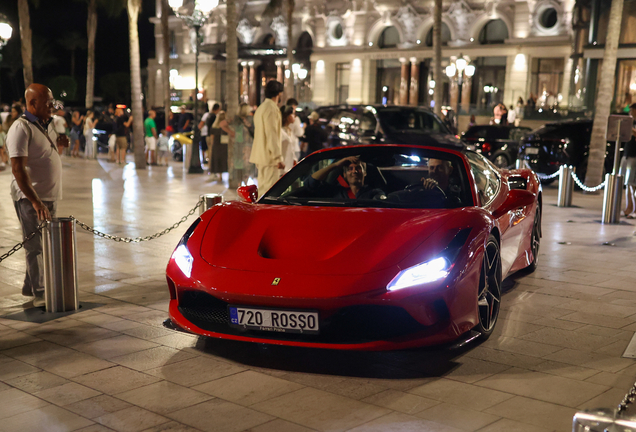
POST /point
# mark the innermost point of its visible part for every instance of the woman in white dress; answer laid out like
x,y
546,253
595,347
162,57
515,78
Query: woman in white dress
x,y
89,125
287,138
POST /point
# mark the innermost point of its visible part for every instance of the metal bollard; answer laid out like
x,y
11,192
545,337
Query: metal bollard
x,y
186,152
612,198
60,268
566,186
208,201
602,420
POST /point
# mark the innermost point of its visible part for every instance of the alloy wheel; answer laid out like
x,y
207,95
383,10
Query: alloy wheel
x,y
489,298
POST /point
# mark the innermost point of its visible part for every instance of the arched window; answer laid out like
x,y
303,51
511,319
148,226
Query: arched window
x,y
269,39
304,47
389,38
446,35
494,32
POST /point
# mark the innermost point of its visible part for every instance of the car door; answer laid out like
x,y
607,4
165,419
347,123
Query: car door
x,y
492,194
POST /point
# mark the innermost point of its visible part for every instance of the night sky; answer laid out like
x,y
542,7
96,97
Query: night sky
x,y
51,21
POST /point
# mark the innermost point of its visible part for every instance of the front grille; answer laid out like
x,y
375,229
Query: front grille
x,y
201,307
352,324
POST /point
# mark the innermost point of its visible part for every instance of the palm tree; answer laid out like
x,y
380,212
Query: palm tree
x,y
133,8
231,72
165,73
25,37
73,41
437,44
112,8
604,99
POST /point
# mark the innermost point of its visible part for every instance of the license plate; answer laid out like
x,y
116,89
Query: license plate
x,y
274,320
532,150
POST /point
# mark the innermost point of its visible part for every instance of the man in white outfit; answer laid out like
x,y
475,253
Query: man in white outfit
x,y
266,149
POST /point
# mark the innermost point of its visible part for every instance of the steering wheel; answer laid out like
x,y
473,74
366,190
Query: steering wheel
x,y
418,188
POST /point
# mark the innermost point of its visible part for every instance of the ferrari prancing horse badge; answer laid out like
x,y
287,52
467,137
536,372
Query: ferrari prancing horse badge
x,y
276,281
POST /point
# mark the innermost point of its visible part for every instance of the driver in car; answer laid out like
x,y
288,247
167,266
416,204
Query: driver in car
x,y
350,185
439,172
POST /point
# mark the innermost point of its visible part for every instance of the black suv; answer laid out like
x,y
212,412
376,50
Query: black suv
x,y
561,143
392,124
500,144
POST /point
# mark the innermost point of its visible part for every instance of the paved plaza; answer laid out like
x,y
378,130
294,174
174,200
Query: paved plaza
x,y
557,348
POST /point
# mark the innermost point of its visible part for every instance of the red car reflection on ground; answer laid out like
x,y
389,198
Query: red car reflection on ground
x,y
360,248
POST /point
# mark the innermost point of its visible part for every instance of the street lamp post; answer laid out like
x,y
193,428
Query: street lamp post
x,y
456,70
195,20
5,33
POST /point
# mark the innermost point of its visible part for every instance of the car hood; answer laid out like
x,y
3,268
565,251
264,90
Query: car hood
x,y
315,240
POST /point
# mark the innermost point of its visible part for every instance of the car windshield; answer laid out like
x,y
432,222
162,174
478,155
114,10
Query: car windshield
x,y
402,119
375,176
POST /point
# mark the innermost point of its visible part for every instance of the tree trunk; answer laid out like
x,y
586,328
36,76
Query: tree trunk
x,y
135,84
25,37
598,143
91,31
437,59
289,83
232,78
165,73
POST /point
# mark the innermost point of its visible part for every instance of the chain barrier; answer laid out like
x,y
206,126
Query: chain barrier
x,y
547,177
19,246
136,239
628,399
585,188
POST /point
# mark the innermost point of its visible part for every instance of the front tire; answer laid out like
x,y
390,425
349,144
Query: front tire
x,y
535,241
501,160
489,292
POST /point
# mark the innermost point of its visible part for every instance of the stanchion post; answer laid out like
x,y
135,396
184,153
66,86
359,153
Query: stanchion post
x,y
60,265
186,152
566,186
209,200
612,198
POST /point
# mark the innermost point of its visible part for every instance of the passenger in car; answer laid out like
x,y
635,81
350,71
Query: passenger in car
x,y
350,184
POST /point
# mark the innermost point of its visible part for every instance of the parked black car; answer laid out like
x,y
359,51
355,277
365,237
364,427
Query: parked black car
x,y
500,144
565,142
392,124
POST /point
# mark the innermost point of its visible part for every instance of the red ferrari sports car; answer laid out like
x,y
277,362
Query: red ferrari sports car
x,y
371,247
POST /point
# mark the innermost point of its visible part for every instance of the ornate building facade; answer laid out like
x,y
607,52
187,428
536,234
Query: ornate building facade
x,y
364,51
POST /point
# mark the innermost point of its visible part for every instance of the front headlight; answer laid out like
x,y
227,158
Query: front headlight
x,y
183,259
430,271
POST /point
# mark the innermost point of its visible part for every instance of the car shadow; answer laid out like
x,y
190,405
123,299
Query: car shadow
x,y
404,364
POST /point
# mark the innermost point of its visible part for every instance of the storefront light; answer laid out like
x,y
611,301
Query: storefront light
x,y
295,68
302,74
451,70
470,70
431,84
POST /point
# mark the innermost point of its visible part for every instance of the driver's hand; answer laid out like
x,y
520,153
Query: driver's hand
x,y
429,183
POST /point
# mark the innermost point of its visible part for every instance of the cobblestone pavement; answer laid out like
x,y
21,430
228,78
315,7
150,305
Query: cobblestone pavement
x,y
557,348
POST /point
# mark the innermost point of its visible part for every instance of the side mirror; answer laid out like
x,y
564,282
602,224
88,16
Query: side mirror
x,y
517,182
248,194
517,198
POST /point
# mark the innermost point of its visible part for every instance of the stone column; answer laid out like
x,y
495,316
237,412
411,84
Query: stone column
x,y
253,97
404,82
454,94
467,88
245,82
415,82
280,72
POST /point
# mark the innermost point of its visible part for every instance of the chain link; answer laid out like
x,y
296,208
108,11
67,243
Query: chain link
x,y
628,399
136,239
19,246
585,188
